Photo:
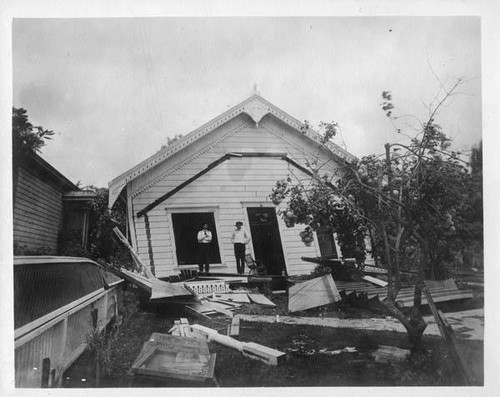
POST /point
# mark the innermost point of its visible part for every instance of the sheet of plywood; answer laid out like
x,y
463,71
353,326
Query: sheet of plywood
x,y
313,293
261,300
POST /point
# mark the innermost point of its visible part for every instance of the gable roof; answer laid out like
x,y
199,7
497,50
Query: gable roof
x,y
37,164
255,106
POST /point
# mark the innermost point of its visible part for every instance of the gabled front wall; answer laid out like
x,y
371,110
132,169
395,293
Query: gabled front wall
x,y
227,190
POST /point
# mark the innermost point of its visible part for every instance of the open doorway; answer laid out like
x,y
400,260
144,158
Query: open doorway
x,y
266,239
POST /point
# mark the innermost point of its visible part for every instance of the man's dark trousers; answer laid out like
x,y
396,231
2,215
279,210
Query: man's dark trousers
x,y
239,253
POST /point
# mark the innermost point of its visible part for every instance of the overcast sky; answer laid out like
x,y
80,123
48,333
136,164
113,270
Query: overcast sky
x,y
113,90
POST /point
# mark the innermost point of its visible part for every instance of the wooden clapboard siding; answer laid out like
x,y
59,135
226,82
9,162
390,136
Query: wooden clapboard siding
x,y
227,189
247,138
38,212
229,209
198,152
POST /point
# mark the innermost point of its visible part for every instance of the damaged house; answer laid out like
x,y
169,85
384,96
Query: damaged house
x,y
218,174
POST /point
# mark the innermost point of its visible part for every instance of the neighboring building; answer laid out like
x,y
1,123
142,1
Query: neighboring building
x,y
221,173
47,204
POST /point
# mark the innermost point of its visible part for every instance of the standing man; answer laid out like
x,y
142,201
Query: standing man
x,y
204,240
240,239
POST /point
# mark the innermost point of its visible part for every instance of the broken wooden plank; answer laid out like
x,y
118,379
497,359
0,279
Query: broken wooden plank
x,y
197,313
243,298
217,308
162,289
375,281
248,349
134,278
449,337
137,259
235,326
313,293
224,302
261,300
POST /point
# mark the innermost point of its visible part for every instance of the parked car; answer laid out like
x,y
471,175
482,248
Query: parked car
x,y
58,301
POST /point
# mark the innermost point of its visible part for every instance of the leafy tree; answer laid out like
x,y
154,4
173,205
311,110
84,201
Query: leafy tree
x,y
101,245
26,141
406,200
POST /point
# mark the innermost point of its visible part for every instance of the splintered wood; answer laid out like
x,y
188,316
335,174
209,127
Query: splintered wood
x,y
313,293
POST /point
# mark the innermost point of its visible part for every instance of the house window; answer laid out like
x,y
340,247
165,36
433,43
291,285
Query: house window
x,y
186,226
326,242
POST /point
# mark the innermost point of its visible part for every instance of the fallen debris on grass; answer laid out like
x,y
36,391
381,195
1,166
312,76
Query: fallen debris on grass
x,y
167,356
248,349
390,354
313,293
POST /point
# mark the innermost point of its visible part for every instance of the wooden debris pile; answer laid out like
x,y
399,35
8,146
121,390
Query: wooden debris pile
x,y
223,302
146,280
251,350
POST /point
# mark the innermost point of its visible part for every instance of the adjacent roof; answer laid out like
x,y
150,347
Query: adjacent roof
x,y
255,106
38,164
79,195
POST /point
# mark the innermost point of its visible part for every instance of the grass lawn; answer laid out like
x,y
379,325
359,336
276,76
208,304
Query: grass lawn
x,y
304,365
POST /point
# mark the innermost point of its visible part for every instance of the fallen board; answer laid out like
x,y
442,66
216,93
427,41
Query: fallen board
x,y
313,293
243,298
235,326
226,303
196,313
217,307
375,281
261,300
162,289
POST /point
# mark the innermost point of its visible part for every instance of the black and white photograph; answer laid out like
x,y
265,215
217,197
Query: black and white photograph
x,y
245,198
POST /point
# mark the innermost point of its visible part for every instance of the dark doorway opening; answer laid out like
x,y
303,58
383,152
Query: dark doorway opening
x,y
266,239
326,242
186,227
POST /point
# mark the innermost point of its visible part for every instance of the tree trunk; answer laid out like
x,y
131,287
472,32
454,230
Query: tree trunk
x,y
414,324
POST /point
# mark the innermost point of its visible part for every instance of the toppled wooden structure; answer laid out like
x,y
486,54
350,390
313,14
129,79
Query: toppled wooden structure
x,y
441,291
167,357
145,279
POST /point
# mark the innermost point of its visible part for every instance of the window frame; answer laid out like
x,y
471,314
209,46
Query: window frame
x,y
215,210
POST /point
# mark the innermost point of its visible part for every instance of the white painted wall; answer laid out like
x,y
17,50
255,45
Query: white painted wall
x,y
227,189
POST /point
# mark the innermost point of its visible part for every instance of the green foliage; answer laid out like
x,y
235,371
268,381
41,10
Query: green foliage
x,y
413,201
100,344
315,205
26,138
101,245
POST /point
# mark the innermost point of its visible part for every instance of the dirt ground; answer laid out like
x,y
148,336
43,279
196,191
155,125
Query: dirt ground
x,y
305,364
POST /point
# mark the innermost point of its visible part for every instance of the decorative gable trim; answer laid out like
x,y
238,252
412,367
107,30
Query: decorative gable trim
x,y
190,159
256,107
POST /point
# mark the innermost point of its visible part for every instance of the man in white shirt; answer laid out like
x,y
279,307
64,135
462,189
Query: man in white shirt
x,y
204,240
240,239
